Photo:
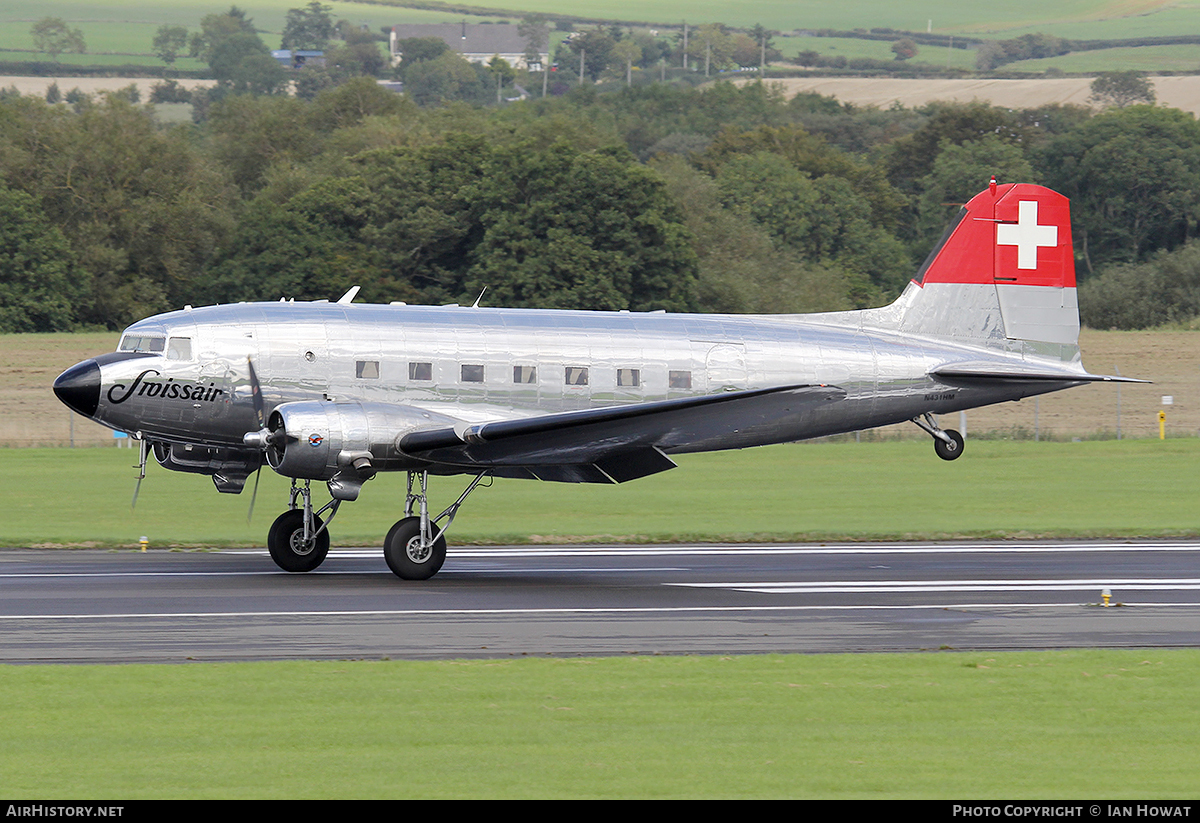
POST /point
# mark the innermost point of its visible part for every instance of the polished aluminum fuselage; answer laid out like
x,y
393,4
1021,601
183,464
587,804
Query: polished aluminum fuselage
x,y
478,365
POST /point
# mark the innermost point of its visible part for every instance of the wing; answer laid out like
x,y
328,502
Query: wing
x,y
615,444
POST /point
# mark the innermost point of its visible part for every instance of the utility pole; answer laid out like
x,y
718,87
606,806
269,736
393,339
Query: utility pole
x,y
685,45
582,54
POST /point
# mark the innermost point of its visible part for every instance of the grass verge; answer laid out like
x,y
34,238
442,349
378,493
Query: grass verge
x,y
1042,725
816,491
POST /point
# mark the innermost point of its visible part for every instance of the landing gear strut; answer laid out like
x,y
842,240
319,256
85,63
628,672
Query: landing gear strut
x,y
415,548
947,443
299,540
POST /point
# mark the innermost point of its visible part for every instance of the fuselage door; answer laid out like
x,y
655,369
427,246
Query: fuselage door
x,y
725,366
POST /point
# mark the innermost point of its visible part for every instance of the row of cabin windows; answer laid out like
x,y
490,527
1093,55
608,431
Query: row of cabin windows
x,y
572,375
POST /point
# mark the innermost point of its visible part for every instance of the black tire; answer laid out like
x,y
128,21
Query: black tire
x,y
949,451
404,555
285,542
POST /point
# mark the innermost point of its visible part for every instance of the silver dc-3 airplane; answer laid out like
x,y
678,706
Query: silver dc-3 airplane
x,y
337,392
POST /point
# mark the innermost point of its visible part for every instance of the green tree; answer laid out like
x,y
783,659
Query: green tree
x,y
536,32
310,27
627,52
741,267
352,102
39,286
502,72
215,29
959,173
581,230
169,43
1165,289
824,220
250,134
910,158
1133,177
595,46
1119,89
904,49
443,79
53,36
140,207
242,63
416,49
308,248
711,46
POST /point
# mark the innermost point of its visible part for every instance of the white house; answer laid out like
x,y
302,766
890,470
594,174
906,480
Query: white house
x,y
477,42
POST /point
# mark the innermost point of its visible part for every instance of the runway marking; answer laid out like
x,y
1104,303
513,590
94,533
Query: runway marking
x,y
572,611
799,549
1185,584
325,572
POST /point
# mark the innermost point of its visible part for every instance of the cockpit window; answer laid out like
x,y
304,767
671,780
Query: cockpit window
x,y
179,348
143,343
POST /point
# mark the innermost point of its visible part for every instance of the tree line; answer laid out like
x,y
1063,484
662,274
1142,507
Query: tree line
x,y
727,198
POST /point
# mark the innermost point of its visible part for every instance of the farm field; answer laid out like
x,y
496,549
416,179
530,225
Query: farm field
x,y
122,33
1180,92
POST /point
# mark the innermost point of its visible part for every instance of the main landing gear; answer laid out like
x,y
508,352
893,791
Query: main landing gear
x,y
947,443
415,547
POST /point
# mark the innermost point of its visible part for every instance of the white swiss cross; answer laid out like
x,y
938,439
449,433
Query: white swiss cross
x,y
1026,234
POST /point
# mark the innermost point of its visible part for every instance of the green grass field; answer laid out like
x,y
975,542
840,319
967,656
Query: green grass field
x,y
1047,725
816,491
1163,58
127,28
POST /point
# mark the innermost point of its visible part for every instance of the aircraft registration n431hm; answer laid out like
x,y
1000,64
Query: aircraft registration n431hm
x,y
337,392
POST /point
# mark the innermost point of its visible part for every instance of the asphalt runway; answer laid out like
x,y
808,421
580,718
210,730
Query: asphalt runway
x,y
160,606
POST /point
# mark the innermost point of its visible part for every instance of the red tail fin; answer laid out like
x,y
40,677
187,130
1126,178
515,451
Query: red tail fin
x,y
1016,240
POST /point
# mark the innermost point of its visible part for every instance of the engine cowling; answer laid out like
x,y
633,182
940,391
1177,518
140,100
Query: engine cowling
x,y
342,443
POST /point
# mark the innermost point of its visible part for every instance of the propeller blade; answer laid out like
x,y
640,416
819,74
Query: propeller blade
x,y
253,495
256,394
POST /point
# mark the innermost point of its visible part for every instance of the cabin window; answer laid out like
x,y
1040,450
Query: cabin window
x,y
680,379
524,374
472,373
420,371
629,377
179,348
577,376
140,343
367,369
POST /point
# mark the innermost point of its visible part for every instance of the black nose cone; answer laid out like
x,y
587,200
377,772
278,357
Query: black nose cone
x,y
79,387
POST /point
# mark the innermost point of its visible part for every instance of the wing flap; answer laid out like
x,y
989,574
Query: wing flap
x,y
985,372
619,443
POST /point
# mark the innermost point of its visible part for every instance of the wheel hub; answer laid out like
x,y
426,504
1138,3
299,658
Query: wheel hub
x,y
299,545
418,551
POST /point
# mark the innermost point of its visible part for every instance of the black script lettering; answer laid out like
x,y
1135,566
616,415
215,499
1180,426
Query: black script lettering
x,y
132,387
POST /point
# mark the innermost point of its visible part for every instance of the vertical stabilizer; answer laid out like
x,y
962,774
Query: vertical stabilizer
x,y
1005,269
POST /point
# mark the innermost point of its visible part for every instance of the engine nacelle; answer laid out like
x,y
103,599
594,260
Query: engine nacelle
x,y
228,468
343,443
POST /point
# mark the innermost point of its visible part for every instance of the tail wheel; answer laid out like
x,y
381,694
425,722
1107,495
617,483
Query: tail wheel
x,y
409,557
952,450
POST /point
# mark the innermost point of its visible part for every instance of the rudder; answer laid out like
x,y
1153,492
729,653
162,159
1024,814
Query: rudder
x,y
1004,268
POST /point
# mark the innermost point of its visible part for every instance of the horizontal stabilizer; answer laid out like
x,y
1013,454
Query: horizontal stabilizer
x,y
989,372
